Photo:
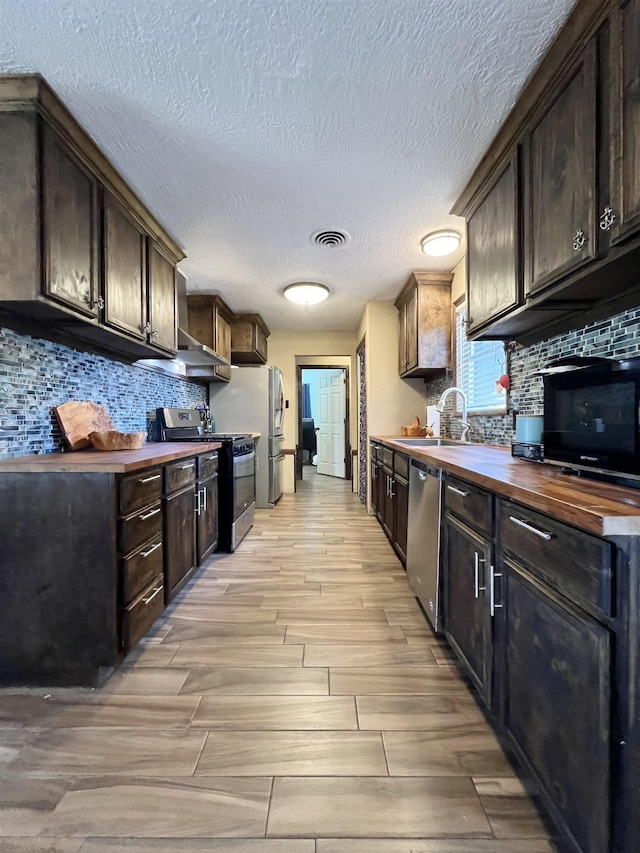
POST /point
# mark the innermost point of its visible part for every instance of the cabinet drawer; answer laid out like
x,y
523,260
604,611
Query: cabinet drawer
x,y
401,465
138,490
207,465
473,505
387,457
179,474
375,449
140,528
139,616
575,563
140,569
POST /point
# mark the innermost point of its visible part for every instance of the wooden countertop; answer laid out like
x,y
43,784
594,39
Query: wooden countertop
x,y
598,507
107,462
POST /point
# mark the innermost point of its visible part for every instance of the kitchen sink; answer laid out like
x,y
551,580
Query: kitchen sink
x,y
432,442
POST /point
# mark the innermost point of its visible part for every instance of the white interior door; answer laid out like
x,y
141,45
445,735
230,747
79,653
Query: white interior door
x,y
331,423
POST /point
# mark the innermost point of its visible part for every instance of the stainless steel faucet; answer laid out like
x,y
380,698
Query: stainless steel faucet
x,y
463,420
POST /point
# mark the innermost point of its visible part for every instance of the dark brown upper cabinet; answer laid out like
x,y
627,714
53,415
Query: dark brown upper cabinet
x,y
424,325
70,228
210,323
494,272
621,213
249,335
562,178
162,300
125,271
75,238
578,200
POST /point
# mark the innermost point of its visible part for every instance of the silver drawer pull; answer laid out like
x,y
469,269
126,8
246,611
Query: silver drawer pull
x,y
458,491
541,533
149,514
152,596
151,550
188,465
149,479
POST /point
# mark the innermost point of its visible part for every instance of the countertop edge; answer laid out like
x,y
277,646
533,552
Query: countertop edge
x,y
592,505
106,462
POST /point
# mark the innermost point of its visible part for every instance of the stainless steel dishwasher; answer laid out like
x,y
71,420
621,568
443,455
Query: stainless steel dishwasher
x,y
423,540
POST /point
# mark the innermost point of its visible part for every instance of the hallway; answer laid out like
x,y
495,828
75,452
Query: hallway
x,y
291,700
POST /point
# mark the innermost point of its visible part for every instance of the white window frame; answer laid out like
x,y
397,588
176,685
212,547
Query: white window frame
x,y
463,350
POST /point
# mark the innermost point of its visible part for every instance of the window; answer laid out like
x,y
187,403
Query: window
x,y
479,364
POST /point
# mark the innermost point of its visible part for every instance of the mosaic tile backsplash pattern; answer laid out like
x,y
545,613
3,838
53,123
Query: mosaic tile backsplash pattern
x,y
36,375
617,337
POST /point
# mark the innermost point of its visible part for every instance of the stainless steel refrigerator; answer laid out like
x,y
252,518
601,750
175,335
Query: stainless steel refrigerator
x,y
253,401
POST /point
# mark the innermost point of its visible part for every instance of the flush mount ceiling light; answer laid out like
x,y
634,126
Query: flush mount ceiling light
x,y
306,292
441,243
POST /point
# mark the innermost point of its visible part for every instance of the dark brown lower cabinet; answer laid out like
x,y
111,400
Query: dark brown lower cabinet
x,y
468,624
390,495
557,666
207,517
179,559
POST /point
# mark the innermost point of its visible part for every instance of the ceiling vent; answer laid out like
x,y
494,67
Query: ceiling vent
x,y
330,239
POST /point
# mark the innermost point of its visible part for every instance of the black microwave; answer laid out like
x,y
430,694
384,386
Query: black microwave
x,y
592,415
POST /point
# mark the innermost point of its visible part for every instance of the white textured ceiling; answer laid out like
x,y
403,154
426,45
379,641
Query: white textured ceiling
x,y
247,125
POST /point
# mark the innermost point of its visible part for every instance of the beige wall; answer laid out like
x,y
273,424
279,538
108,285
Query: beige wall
x,y
286,351
391,401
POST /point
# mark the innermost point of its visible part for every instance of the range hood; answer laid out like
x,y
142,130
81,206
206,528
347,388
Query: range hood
x,y
191,352
194,359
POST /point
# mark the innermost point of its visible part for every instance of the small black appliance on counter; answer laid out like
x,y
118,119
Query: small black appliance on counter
x,y
533,451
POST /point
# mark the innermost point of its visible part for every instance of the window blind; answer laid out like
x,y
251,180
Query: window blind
x,y
479,364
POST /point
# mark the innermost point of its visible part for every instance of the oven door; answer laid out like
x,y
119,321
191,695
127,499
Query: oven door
x,y
244,482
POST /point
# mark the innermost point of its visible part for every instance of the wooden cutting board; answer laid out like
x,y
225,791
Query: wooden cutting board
x,y
78,419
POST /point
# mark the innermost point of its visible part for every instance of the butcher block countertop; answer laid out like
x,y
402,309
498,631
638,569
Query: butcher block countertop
x,y
107,462
598,507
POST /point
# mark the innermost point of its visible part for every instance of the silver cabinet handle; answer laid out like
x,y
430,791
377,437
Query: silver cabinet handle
x,y
607,218
149,479
392,494
477,589
149,514
187,466
579,239
541,533
492,590
204,499
198,506
154,333
155,592
458,491
374,472
151,550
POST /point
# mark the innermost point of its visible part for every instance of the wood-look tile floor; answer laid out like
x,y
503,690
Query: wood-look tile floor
x,y
291,700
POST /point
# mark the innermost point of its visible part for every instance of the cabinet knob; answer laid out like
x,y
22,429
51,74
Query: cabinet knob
x,y
94,303
579,239
154,333
607,218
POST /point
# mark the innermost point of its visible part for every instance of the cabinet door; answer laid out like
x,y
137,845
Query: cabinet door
x,y
386,500
494,279
125,272
179,545
558,693
625,197
468,622
401,515
207,523
402,339
70,228
562,178
162,301
222,344
411,330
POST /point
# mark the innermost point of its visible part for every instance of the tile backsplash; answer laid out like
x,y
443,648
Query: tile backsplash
x,y
36,375
616,337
